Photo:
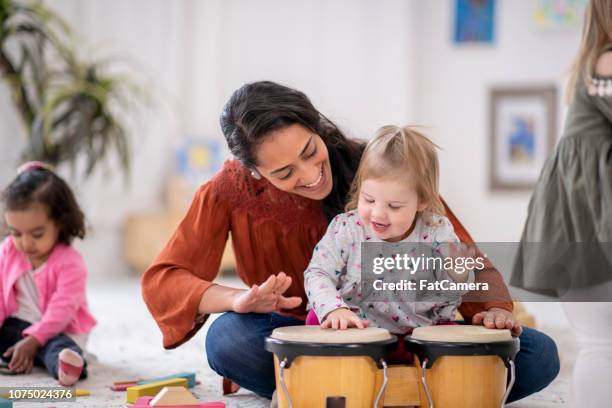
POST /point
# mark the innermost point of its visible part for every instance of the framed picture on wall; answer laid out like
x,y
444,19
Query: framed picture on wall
x,y
474,21
523,134
558,15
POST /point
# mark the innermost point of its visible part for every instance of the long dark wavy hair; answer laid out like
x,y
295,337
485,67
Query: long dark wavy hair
x,y
259,108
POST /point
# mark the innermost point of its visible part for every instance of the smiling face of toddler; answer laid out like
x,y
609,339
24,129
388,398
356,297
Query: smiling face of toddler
x,y
388,207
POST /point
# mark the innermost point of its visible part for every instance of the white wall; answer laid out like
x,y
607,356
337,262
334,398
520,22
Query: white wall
x,y
452,97
11,135
352,57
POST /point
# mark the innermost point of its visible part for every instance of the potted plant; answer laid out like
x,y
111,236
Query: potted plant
x,y
70,108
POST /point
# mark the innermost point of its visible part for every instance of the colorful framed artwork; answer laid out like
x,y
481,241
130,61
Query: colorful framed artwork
x,y
198,159
523,134
559,14
474,21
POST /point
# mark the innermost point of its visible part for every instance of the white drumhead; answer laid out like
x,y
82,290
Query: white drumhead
x,y
461,334
314,334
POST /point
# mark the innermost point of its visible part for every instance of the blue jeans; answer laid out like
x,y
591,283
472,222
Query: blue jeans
x,y
235,349
48,355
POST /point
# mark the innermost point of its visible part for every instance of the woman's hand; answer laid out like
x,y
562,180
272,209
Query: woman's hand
x,y
266,298
497,318
342,319
22,355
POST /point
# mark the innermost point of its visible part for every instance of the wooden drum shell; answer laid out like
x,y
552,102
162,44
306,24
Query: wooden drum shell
x,y
317,364
466,366
311,379
464,382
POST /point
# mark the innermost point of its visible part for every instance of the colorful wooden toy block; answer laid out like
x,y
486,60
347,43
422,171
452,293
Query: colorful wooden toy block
x,y
144,402
81,392
174,396
5,403
122,387
190,377
133,393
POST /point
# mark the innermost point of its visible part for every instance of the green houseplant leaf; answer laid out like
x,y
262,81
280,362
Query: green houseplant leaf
x,y
69,108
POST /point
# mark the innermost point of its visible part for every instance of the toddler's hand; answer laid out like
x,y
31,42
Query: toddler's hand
x,y
496,318
342,319
22,355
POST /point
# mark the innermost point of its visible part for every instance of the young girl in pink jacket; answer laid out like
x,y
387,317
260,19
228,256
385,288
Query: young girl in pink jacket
x,y
44,319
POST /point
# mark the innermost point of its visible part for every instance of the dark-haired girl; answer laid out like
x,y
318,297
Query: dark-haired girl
x,y
44,319
292,176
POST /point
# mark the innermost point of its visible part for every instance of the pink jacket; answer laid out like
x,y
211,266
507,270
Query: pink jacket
x,y
61,290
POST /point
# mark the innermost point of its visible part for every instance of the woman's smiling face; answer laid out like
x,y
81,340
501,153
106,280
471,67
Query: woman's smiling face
x,y
296,160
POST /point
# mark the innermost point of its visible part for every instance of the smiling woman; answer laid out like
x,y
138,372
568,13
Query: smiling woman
x,y
278,134
292,176
308,174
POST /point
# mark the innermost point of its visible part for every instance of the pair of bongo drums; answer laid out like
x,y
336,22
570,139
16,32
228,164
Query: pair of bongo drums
x,y
454,366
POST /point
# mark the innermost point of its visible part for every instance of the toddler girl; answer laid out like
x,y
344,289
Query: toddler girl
x,y
44,319
395,193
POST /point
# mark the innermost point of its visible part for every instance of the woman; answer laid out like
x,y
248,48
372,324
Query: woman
x,y
572,205
293,175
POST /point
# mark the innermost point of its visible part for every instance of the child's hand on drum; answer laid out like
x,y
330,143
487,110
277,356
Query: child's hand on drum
x,y
343,319
496,318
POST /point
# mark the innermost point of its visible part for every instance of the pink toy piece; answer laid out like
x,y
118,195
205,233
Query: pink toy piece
x,y
122,387
312,319
143,402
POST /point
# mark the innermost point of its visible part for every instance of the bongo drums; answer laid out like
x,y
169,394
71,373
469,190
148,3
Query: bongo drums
x,y
463,366
316,367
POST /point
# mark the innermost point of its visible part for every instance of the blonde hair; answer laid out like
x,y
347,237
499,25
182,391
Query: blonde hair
x,y
596,34
406,154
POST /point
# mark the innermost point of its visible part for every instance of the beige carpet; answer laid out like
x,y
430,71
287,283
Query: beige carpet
x,y
127,344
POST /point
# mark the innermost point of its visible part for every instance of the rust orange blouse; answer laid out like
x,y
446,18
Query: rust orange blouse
x,y
272,231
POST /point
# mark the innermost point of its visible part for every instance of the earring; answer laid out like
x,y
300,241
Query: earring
x,y
255,174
